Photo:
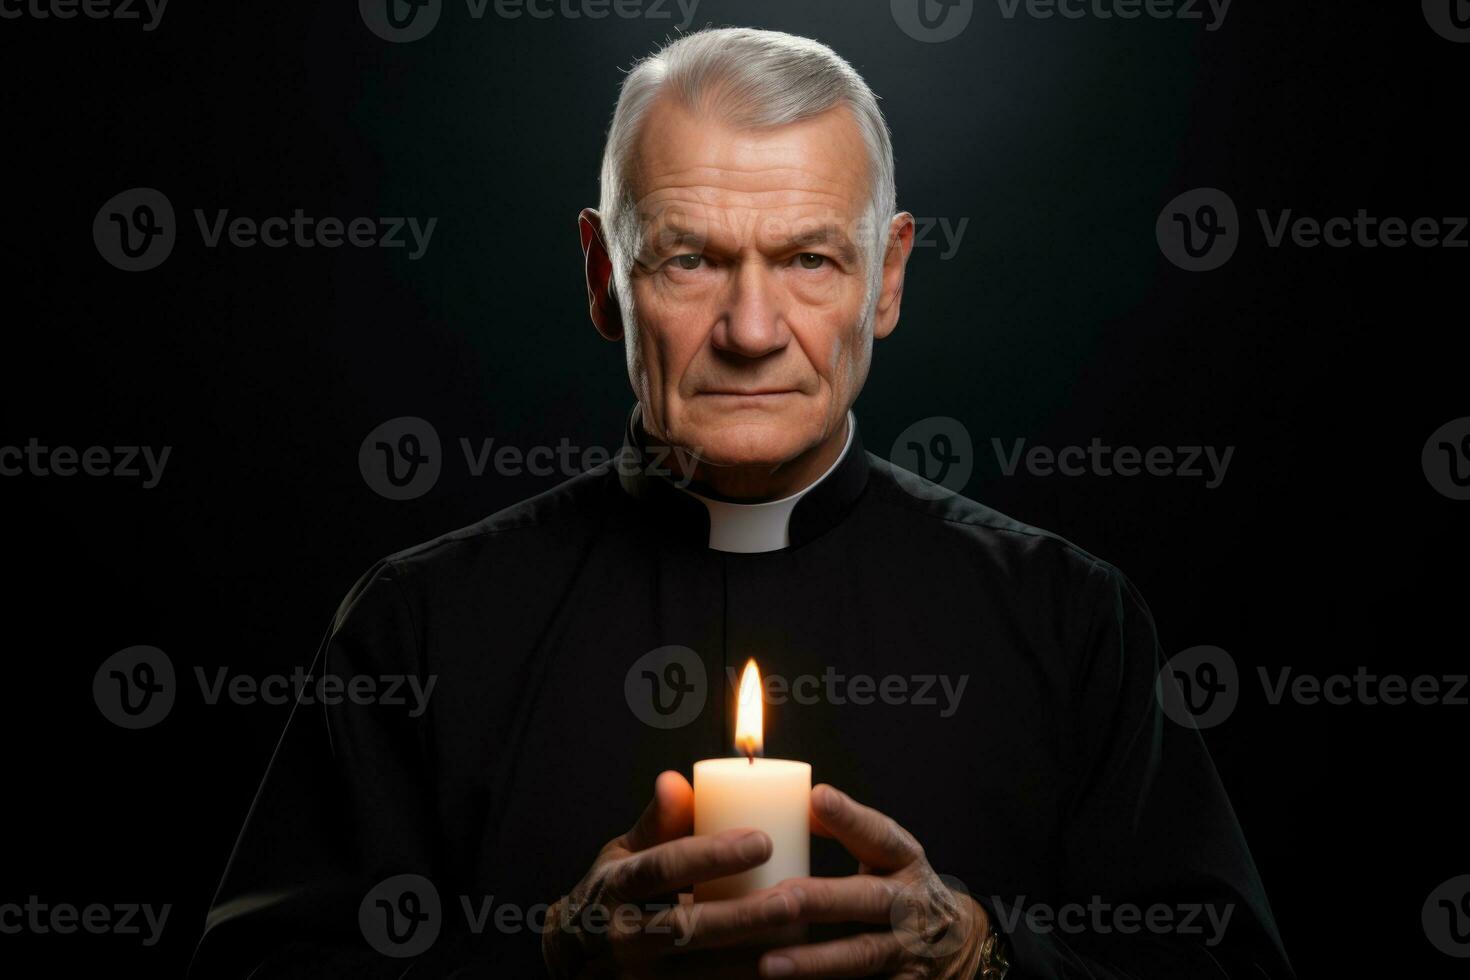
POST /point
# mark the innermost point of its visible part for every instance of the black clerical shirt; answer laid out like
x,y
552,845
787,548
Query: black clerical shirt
x,y
987,684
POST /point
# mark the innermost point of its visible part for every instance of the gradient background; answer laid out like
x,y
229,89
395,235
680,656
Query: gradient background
x,y
1057,319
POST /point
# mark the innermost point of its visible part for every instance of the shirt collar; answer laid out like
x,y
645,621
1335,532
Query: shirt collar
x,y
735,527
749,529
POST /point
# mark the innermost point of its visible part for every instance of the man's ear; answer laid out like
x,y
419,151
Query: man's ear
x,y
895,260
602,303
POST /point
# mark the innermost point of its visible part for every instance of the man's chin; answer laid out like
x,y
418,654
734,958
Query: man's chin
x,y
745,446
748,433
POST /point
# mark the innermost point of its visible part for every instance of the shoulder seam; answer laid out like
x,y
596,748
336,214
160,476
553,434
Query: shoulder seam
x,y
483,528
1023,531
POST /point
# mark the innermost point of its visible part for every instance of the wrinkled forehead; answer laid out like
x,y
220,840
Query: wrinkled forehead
x,y
699,180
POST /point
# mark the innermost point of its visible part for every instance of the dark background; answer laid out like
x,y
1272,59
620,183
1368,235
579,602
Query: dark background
x,y
1058,319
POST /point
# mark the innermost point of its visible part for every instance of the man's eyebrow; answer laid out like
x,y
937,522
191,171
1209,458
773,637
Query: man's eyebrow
x,y
660,237
826,235
669,236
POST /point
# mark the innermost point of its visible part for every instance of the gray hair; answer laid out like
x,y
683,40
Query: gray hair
x,y
752,79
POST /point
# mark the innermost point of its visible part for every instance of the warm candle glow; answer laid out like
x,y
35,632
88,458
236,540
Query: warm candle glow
x,y
749,721
745,792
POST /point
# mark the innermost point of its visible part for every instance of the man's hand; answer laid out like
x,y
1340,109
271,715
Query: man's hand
x,y
932,931
605,927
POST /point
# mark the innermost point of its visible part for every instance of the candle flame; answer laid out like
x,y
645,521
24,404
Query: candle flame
x,y
749,720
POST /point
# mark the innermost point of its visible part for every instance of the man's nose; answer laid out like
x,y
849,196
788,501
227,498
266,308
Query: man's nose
x,y
753,324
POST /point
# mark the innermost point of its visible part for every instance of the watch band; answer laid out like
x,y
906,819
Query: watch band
x,y
995,959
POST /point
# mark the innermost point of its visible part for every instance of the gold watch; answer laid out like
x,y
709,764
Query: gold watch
x,y
995,958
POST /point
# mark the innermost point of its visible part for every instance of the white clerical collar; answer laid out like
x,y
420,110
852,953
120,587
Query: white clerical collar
x,y
749,529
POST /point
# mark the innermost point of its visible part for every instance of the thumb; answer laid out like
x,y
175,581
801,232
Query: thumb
x,y
669,815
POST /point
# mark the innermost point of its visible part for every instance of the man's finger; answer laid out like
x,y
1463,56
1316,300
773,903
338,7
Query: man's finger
x,y
863,955
871,837
669,815
857,898
726,922
678,864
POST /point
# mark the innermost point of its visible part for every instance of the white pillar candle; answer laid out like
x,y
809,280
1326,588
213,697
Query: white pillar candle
x,y
773,795
763,794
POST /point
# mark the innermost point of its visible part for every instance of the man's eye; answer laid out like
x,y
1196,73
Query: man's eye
x,y
811,260
688,262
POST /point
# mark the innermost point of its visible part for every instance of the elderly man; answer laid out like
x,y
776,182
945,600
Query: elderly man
x,y
747,253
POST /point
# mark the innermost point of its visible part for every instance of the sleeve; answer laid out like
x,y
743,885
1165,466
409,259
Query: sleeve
x,y
343,818
1159,881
